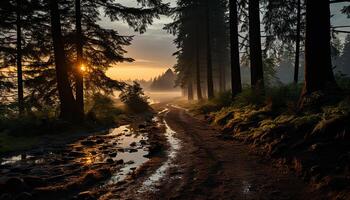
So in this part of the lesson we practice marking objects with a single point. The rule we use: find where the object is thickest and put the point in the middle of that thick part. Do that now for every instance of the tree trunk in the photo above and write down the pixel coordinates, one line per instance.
(210, 82)
(222, 77)
(318, 64)
(79, 73)
(297, 44)
(19, 59)
(236, 84)
(256, 65)
(68, 108)
(190, 91)
(198, 72)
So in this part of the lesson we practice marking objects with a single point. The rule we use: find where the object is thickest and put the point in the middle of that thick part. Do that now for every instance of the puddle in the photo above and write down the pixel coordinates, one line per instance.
(151, 182)
(123, 147)
(15, 159)
(132, 160)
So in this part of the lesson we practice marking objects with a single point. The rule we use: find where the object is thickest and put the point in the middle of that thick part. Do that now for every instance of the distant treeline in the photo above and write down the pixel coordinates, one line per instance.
(165, 81)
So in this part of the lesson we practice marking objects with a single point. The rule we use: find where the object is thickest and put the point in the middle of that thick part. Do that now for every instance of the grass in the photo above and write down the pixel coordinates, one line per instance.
(14, 143)
(308, 141)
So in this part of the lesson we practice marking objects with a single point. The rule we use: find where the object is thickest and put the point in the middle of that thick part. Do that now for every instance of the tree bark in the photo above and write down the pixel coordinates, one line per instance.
(19, 58)
(68, 108)
(79, 73)
(256, 65)
(210, 82)
(297, 44)
(198, 72)
(318, 64)
(222, 76)
(236, 83)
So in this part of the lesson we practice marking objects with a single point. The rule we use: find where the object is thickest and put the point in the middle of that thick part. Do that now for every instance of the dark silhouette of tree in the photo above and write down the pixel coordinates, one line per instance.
(210, 83)
(80, 67)
(198, 67)
(202, 39)
(318, 64)
(255, 52)
(68, 106)
(236, 85)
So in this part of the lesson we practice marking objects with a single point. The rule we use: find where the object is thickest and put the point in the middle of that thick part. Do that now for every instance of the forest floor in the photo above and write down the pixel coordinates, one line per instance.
(173, 155)
(207, 167)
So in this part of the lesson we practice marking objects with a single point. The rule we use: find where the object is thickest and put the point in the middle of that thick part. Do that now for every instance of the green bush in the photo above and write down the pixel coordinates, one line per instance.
(135, 99)
(248, 97)
(221, 100)
(102, 109)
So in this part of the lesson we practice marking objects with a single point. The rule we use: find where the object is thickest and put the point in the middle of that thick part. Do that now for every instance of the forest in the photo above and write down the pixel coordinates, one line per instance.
(263, 110)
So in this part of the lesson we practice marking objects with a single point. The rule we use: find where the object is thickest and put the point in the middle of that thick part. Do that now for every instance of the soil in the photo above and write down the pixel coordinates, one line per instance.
(205, 166)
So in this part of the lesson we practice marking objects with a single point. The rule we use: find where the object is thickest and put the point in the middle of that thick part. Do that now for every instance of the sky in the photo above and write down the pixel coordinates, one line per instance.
(153, 50)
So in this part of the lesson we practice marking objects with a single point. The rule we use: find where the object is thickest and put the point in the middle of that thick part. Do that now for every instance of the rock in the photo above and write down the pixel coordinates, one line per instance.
(87, 195)
(110, 160)
(130, 162)
(132, 150)
(133, 144)
(120, 162)
(24, 196)
(143, 142)
(33, 181)
(100, 141)
(87, 143)
(106, 152)
(143, 130)
(114, 154)
(121, 150)
(142, 126)
(79, 148)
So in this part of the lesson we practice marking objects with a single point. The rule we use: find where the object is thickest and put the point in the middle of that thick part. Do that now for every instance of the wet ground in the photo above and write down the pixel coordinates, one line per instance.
(171, 156)
(62, 172)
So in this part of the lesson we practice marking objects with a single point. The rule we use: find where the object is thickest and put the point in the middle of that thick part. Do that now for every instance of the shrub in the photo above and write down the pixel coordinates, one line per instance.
(223, 99)
(248, 97)
(135, 99)
(102, 109)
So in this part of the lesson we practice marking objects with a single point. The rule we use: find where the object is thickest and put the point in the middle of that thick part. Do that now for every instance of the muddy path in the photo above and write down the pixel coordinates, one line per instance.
(170, 156)
(207, 167)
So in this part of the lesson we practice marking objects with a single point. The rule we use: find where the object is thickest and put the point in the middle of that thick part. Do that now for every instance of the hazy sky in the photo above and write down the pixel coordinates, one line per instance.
(153, 50)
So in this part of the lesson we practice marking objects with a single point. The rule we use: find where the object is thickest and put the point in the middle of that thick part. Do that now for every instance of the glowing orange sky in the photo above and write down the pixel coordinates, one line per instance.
(152, 50)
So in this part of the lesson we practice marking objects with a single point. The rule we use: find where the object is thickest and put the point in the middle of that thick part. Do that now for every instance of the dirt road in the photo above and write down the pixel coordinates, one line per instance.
(207, 167)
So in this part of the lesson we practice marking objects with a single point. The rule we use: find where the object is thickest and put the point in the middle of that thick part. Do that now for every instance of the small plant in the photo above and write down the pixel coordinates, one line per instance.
(135, 99)
(102, 108)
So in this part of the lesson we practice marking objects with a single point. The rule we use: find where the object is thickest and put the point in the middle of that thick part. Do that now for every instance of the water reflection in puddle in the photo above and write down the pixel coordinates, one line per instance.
(15, 159)
(132, 159)
(151, 183)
